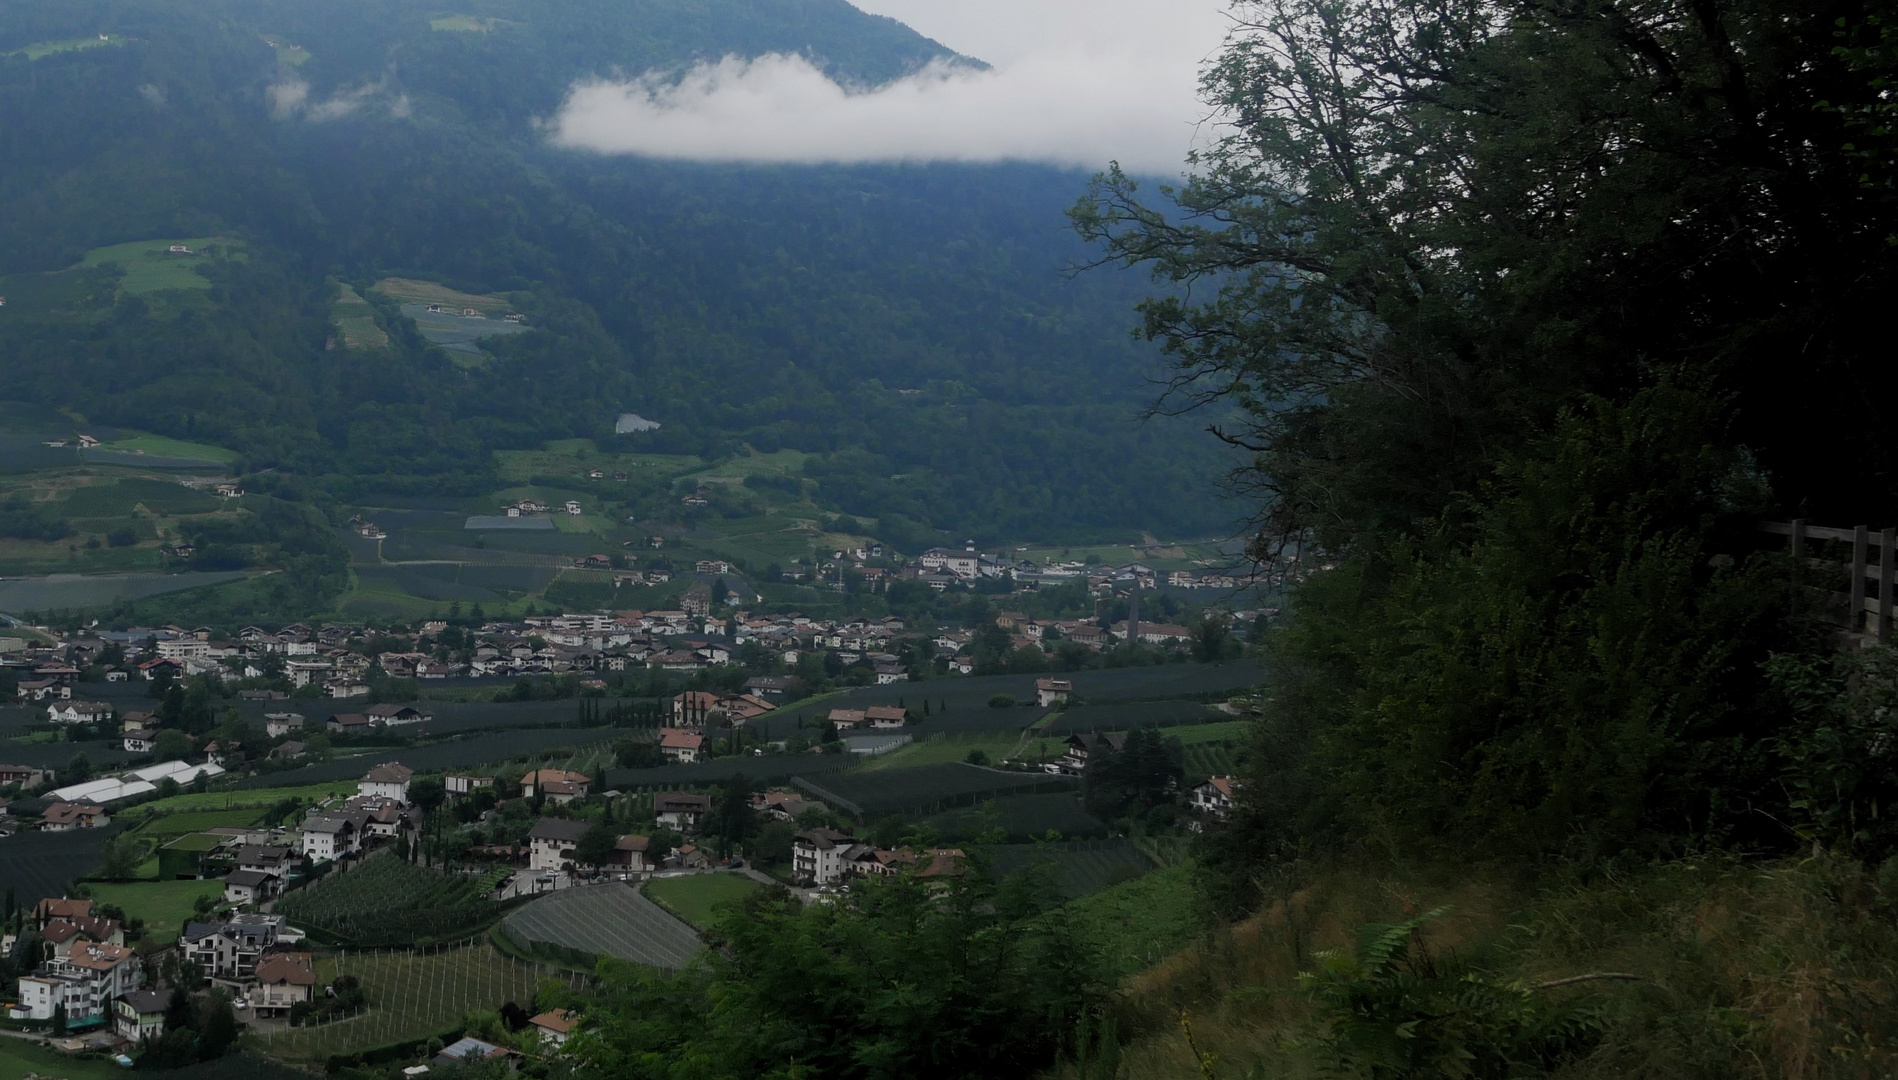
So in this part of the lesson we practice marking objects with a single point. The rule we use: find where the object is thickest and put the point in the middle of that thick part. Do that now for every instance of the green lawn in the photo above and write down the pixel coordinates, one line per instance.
(150, 266)
(164, 905)
(695, 896)
(230, 800)
(160, 446)
(19, 1058)
(199, 820)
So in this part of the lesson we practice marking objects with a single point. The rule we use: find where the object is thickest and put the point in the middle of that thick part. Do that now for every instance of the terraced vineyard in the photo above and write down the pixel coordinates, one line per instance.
(388, 901)
(412, 994)
(612, 919)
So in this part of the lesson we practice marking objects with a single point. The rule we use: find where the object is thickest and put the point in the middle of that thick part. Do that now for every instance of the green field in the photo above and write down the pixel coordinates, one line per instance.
(938, 749)
(19, 1059)
(696, 897)
(160, 446)
(356, 321)
(411, 995)
(384, 900)
(1137, 923)
(259, 798)
(150, 266)
(164, 905)
(198, 821)
(42, 49)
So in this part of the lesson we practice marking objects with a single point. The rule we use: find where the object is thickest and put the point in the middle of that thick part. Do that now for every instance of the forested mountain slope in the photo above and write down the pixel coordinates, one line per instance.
(911, 324)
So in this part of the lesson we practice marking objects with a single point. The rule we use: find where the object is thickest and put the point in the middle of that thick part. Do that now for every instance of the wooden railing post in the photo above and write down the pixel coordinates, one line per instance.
(1887, 542)
(1855, 592)
(1799, 543)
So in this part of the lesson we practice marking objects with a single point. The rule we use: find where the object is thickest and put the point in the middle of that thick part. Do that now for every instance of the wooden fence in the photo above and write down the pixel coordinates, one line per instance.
(1868, 573)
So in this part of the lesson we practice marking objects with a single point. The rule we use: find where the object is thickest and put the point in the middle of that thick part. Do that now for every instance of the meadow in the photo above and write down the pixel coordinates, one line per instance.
(1077, 868)
(1139, 922)
(1022, 817)
(700, 898)
(149, 266)
(164, 905)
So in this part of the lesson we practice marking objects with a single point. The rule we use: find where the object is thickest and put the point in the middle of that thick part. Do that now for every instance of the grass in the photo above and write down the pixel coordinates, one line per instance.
(259, 798)
(1225, 731)
(19, 1059)
(356, 321)
(410, 291)
(1139, 923)
(42, 49)
(411, 995)
(164, 905)
(161, 446)
(696, 897)
(1745, 968)
(198, 821)
(150, 266)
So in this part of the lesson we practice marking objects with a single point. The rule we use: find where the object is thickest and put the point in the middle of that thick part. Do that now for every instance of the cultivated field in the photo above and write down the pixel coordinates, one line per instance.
(927, 789)
(68, 592)
(35, 865)
(386, 901)
(613, 919)
(412, 994)
(460, 753)
(1128, 715)
(1080, 868)
(1023, 817)
(711, 773)
(410, 291)
(356, 322)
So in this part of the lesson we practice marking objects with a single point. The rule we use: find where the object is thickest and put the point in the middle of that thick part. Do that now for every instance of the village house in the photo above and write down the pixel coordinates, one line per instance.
(26, 776)
(284, 979)
(886, 716)
(460, 784)
(554, 1028)
(323, 837)
(680, 747)
(555, 786)
(680, 810)
(229, 951)
(633, 853)
(1082, 747)
(1214, 797)
(389, 780)
(78, 712)
(250, 887)
(822, 856)
(397, 715)
(277, 725)
(347, 724)
(271, 859)
(551, 842)
(67, 816)
(1052, 693)
(139, 1016)
(846, 719)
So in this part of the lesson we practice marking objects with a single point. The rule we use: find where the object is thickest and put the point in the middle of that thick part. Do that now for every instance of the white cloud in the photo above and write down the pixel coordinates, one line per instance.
(287, 98)
(1072, 84)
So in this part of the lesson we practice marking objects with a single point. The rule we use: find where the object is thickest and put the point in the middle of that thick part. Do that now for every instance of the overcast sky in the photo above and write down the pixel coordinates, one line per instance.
(1075, 82)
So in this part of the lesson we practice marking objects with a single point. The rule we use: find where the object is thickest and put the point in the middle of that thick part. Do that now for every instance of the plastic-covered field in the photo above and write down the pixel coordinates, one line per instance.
(615, 920)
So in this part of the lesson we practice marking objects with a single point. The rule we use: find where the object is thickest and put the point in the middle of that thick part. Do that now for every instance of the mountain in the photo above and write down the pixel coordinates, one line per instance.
(911, 328)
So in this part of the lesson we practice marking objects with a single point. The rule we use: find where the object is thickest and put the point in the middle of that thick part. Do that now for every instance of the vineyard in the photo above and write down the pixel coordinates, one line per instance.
(1022, 817)
(927, 788)
(613, 920)
(385, 901)
(412, 994)
(1122, 716)
(1078, 869)
(460, 753)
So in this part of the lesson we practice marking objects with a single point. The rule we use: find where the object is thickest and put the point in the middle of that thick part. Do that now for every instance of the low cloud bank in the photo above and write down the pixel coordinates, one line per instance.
(1075, 105)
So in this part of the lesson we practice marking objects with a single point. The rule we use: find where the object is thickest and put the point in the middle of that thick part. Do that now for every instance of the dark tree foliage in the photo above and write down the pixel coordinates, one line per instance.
(1142, 773)
(977, 979)
(1529, 311)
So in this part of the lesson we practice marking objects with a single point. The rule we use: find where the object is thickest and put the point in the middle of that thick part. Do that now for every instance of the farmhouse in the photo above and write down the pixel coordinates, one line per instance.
(1082, 747)
(328, 836)
(553, 1027)
(823, 856)
(550, 844)
(845, 719)
(1050, 693)
(460, 784)
(24, 775)
(278, 724)
(347, 724)
(272, 859)
(388, 781)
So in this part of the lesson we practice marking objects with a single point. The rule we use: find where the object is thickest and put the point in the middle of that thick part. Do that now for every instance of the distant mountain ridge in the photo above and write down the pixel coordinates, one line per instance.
(350, 142)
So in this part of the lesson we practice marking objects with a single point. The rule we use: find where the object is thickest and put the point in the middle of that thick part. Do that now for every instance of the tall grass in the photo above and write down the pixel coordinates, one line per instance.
(1768, 969)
